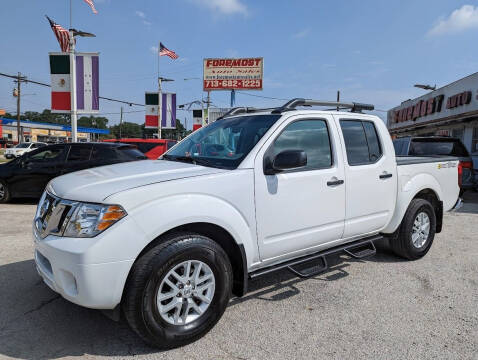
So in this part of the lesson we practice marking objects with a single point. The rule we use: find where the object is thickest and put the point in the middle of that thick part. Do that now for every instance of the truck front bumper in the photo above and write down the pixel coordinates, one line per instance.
(95, 285)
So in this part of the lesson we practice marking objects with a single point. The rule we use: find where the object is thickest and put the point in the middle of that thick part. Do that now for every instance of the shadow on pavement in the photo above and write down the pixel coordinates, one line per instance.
(470, 203)
(24, 201)
(35, 322)
(280, 285)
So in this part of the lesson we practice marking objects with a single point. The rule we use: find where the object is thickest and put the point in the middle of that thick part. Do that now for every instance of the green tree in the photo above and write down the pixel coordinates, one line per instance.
(128, 129)
(98, 122)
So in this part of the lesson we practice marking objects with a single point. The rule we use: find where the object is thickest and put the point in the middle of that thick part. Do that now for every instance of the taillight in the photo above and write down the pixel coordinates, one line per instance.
(463, 165)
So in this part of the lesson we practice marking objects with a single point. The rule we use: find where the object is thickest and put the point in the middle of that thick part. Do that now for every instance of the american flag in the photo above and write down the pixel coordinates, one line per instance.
(62, 35)
(164, 51)
(92, 5)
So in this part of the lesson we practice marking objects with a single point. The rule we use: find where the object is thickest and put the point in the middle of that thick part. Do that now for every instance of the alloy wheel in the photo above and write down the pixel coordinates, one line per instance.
(420, 230)
(185, 292)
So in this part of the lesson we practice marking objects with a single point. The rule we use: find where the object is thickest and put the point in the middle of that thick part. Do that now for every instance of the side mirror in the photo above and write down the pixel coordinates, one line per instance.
(286, 160)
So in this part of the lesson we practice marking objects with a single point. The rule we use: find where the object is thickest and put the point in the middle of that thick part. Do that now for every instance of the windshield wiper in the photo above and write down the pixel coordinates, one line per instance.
(191, 160)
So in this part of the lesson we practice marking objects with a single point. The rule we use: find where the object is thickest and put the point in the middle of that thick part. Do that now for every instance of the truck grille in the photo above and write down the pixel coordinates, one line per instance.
(53, 215)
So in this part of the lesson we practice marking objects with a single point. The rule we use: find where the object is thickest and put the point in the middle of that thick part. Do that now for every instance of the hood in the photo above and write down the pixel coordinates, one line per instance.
(96, 184)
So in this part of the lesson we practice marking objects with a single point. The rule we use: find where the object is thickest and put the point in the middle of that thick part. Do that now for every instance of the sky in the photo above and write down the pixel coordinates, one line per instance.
(373, 51)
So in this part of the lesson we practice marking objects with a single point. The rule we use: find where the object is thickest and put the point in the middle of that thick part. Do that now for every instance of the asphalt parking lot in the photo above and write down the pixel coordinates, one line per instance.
(380, 308)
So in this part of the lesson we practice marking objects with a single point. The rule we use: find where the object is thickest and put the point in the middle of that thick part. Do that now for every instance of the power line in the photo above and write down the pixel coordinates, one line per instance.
(24, 79)
(262, 96)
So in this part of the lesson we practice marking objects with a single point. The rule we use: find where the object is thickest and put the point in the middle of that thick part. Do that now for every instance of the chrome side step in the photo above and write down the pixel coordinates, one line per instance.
(358, 250)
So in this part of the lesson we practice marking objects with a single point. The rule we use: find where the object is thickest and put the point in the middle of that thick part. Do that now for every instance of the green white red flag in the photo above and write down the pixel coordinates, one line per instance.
(87, 82)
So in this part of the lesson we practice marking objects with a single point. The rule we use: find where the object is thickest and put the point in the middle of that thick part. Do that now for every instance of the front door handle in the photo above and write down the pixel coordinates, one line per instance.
(335, 182)
(385, 176)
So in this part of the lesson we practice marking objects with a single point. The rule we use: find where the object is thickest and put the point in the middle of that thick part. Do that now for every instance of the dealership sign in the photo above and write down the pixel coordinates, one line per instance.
(454, 100)
(233, 74)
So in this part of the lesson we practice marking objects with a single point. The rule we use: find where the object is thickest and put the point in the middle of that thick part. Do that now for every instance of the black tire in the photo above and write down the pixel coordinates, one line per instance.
(6, 192)
(139, 300)
(402, 244)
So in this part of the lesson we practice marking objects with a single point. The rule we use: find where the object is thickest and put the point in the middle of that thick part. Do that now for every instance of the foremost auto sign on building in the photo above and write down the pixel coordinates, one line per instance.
(233, 74)
(450, 111)
(449, 104)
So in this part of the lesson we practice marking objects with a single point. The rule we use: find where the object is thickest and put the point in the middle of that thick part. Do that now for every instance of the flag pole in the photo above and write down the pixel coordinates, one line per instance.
(159, 95)
(73, 112)
(71, 17)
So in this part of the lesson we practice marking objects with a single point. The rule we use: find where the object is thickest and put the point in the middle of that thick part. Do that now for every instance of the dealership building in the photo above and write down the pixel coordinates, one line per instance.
(45, 132)
(448, 111)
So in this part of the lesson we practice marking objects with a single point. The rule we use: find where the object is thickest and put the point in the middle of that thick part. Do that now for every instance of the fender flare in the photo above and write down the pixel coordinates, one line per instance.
(406, 193)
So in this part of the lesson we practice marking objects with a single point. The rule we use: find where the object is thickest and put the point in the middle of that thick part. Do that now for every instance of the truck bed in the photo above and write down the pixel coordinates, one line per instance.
(409, 160)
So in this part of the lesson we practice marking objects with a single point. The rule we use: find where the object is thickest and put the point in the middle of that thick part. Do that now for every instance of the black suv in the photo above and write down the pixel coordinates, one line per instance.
(439, 146)
(28, 175)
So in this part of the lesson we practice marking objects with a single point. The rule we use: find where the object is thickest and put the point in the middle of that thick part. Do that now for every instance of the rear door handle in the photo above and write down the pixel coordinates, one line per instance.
(385, 176)
(335, 182)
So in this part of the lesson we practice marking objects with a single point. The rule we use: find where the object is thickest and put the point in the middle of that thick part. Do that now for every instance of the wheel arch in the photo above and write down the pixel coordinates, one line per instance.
(432, 197)
(428, 193)
(234, 250)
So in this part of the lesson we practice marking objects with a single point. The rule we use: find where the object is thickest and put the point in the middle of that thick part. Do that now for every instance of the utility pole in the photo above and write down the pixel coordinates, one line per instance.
(338, 98)
(74, 114)
(121, 122)
(19, 81)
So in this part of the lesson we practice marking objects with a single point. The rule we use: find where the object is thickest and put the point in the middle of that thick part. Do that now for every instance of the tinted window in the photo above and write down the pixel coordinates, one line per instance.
(115, 154)
(129, 153)
(311, 136)
(79, 153)
(171, 144)
(361, 142)
(401, 146)
(50, 154)
(437, 147)
(374, 148)
(103, 153)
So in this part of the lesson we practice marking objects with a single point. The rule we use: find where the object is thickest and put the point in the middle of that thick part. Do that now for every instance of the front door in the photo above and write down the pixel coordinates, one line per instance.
(299, 210)
(36, 169)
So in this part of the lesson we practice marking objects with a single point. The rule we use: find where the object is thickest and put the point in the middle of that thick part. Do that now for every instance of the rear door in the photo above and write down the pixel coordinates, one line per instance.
(370, 169)
(301, 209)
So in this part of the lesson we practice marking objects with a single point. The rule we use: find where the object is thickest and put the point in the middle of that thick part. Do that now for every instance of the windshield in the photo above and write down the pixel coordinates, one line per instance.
(22, 146)
(224, 143)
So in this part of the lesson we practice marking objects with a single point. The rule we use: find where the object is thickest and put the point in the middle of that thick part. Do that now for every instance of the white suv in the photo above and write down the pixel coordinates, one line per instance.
(22, 148)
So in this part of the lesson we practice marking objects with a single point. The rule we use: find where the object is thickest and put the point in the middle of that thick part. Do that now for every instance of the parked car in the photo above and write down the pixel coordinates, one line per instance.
(28, 175)
(22, 148)
(167, 241)
(152, 148)
(439, 146)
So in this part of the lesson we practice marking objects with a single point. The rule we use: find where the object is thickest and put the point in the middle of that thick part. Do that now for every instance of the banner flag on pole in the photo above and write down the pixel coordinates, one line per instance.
(197, 119)
(151, 100)
(168, 110)
(87, 82)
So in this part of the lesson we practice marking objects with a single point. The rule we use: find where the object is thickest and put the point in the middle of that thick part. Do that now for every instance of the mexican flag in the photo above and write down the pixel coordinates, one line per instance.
(87, 82)
(168, 110)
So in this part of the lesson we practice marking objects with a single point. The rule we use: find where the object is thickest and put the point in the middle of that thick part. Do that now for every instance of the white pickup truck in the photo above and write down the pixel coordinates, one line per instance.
(166, 242)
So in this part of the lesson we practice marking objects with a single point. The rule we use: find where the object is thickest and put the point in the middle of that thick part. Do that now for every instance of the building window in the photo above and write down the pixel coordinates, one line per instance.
(474, 142)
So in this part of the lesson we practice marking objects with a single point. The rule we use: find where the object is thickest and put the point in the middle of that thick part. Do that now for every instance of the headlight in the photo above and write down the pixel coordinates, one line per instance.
(18, 151)
(89, 220)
